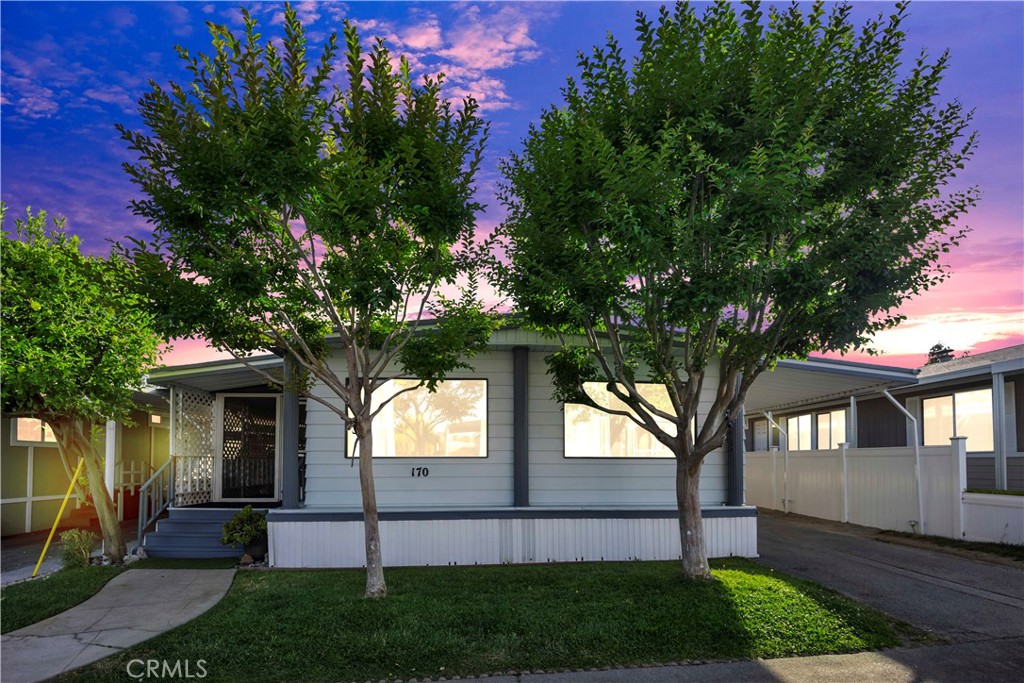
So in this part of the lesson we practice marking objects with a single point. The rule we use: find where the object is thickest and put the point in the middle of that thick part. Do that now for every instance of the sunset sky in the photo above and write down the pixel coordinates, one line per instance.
(70, 71)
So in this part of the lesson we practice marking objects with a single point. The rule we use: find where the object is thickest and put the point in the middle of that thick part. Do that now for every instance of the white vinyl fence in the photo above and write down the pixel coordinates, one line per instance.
(877, 487)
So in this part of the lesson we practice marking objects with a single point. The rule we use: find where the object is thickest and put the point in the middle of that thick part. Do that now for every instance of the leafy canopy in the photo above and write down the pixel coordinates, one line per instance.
(77, 338)
(291, 202)
(747, 188)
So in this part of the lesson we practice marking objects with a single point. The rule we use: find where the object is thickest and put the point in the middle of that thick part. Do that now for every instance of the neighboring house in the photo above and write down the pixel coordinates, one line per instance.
(488, 470)
(33, 480)
(978, 397)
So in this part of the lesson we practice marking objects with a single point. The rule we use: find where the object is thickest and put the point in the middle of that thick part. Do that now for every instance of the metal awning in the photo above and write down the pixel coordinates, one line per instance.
(218, 375)
(796, 383)
(792, 384)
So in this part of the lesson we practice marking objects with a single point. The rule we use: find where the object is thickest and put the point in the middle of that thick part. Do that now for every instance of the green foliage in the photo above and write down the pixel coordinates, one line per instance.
(244, 527)
(747, 188)
(939, 353)
(76, 546)
(288, 210)
(77, 337)
(571, 367)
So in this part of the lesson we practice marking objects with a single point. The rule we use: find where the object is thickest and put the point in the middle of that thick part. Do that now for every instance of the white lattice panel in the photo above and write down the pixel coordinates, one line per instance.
(193, 446)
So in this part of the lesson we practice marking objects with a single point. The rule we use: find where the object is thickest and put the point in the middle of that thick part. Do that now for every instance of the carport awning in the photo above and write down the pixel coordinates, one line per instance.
(796, 383)
(219, 375)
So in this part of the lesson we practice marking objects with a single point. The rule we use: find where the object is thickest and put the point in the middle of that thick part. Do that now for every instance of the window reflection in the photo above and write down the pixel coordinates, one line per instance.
(592, 433)
(450, 422)
(965, 413)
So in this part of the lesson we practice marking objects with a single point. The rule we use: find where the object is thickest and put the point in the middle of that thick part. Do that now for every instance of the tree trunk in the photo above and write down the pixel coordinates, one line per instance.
(375, 585)
(691, 526)
(75, 442)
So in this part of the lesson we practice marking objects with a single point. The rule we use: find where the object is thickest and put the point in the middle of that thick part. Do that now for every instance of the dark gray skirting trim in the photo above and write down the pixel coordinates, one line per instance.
(511, 513)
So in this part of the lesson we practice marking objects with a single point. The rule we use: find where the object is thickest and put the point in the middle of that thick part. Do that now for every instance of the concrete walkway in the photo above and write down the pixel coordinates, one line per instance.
(135, 606)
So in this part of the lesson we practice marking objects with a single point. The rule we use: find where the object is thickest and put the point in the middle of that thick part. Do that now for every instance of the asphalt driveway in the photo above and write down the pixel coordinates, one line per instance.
(961, 599)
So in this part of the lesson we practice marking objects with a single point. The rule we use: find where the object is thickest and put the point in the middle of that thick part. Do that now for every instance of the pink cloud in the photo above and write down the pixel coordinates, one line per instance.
(491, 41)
(425, 36)
(489, 93)
(29, 100)
(112, 94)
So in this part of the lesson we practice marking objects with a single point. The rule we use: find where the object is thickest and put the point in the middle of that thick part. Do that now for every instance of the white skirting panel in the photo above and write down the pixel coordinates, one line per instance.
(502, 541)
(993, 518)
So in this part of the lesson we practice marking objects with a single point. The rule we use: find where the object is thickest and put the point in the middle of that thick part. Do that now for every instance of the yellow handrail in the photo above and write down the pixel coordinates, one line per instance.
(60, 514)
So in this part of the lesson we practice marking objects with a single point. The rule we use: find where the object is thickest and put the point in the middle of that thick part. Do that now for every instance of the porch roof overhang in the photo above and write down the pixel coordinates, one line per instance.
(218, 375)
(794, 383)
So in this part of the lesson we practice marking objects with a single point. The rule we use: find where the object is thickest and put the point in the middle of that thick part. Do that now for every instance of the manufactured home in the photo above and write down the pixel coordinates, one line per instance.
(489, 469)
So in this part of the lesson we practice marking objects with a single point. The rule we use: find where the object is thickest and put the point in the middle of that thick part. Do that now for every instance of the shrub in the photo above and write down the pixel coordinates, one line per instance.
(76, 547)
(245, 527)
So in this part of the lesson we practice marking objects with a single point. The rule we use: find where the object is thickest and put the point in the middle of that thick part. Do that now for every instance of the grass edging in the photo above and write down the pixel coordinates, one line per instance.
(28, 602)
(464, 621)
(1002, 550)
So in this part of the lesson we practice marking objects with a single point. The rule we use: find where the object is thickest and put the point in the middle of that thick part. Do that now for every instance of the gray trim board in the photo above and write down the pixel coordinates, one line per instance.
(852, 369)
(735, 447)
(520, 427)
(279, 515)
(289, 440)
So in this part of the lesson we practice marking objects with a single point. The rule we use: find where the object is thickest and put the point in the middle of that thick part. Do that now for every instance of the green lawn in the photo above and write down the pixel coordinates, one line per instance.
(27, 602)
(449, 621)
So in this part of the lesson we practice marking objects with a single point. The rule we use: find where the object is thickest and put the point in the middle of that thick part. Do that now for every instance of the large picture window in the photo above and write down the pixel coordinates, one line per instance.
(449, 423)
(965, 413)
(592, 433)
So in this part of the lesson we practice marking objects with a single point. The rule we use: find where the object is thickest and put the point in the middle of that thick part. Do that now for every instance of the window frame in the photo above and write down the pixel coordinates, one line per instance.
(619, 458)
(816, 441)
(15, 441)
(811, 429)
(438, 458)
(952, 394)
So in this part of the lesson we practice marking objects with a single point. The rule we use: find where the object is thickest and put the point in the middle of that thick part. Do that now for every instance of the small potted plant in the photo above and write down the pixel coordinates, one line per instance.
(247, 528)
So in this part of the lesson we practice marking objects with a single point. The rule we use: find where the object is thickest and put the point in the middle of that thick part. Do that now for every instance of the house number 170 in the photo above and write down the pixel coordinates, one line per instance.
(421, 471)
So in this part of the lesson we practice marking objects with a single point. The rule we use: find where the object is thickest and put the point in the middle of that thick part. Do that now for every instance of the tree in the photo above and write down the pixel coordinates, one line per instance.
(78, 340)
(939, 353)
(294, 215)
(743, 191)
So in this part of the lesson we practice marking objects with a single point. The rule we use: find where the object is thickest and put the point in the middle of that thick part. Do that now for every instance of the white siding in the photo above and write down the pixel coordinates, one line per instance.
(333, 480)
(606, 482)
(502, 541)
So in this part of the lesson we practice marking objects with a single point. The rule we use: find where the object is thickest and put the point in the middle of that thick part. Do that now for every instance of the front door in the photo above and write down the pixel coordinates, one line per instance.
(247, 466)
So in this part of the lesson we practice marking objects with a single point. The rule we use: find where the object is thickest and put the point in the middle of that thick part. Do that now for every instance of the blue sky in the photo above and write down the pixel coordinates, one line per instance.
(70, 71)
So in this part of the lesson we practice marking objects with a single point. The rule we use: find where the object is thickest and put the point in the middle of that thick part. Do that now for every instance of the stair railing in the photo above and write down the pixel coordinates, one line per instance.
(155, 496)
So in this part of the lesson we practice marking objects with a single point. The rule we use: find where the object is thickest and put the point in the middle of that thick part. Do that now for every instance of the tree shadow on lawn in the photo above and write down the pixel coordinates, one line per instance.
(450, 621)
